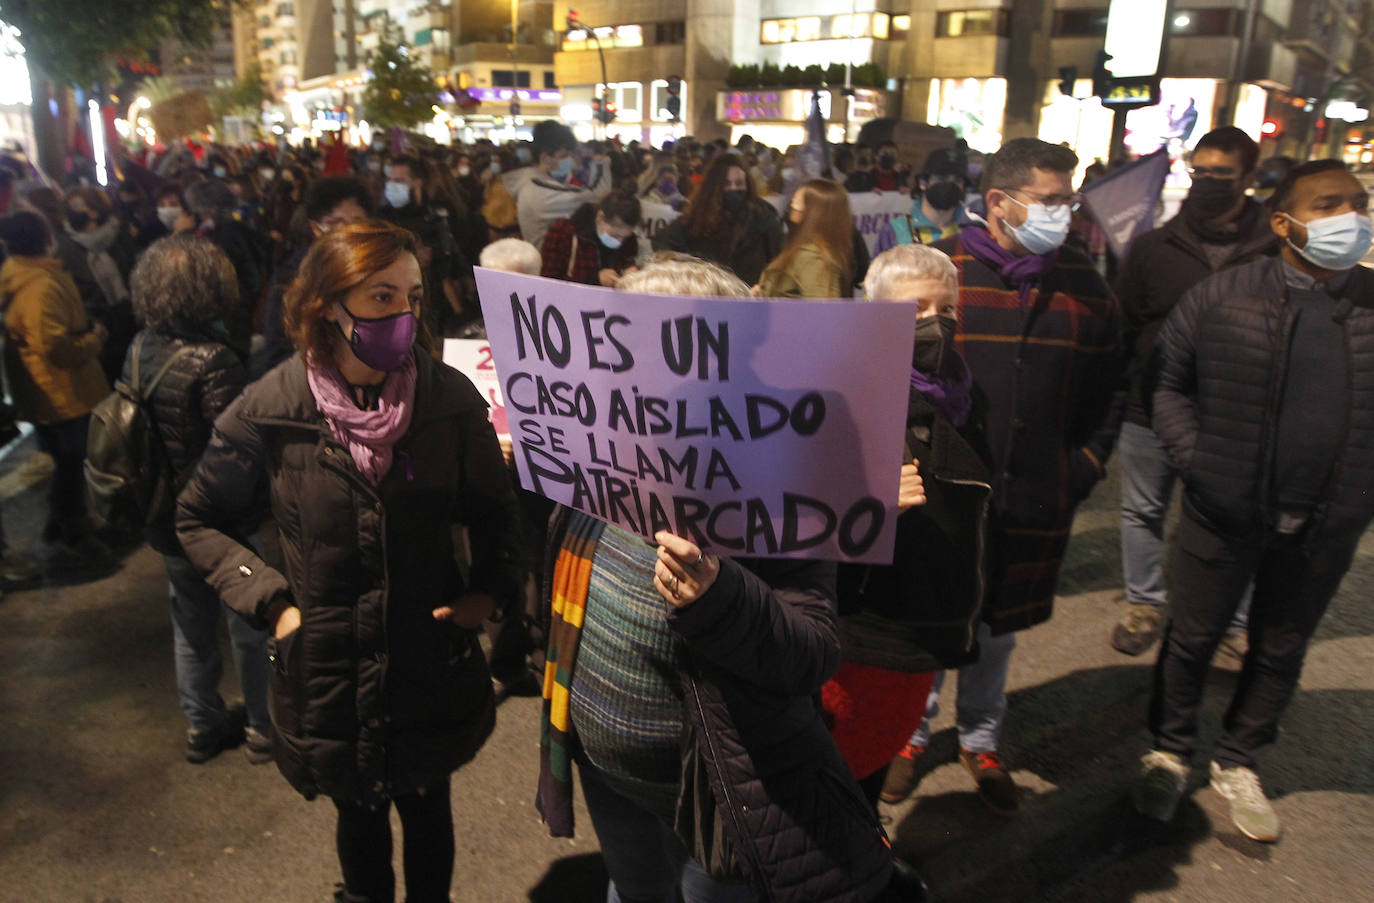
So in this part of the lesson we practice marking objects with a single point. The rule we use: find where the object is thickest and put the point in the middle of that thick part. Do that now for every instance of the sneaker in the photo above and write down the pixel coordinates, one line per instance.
(1251, 810)
(202, 746)
(1233, 648)
(903, 774)
(1163, 778)
(257, 746)
(1139, 629)
(995, 786)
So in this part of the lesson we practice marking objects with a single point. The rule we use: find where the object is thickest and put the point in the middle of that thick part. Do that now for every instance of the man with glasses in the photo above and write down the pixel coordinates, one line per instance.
(1264, 398)
(1041, 333)
(1217, 228)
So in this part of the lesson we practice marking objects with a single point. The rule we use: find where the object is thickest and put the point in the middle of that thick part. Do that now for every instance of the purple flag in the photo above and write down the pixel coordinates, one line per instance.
(815, 153)
(724, 421)
(1123, 201)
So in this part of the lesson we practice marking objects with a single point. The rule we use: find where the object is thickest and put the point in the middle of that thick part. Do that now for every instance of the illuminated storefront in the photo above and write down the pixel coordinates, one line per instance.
(16, 123)
(974, 108)
(777, 117)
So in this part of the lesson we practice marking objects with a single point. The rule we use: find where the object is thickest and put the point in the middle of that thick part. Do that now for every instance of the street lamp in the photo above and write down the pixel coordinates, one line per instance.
(575, 24)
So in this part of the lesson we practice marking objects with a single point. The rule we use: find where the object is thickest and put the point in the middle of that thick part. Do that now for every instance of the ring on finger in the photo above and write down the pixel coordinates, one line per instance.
(701, 557)
(673, 587)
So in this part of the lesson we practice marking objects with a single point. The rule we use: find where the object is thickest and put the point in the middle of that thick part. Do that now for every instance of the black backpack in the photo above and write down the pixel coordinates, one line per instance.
(128, 478)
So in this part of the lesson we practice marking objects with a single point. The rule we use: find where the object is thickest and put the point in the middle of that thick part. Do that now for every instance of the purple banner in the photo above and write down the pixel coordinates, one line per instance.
(753, 428)
(1123, 201)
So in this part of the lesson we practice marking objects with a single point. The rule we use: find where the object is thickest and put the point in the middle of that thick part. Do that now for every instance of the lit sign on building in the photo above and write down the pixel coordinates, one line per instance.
(749, 106)
(1135, 36)
(524, 95)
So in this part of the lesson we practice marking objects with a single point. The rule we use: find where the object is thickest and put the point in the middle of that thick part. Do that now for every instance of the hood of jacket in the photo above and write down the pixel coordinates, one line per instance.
(19, 273)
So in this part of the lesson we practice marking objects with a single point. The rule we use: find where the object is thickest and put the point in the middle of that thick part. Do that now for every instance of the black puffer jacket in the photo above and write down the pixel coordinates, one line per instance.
(371, 697)
(1163, 264)
(921, 612)
(744, 245)
(195, 391)
(1222, 361)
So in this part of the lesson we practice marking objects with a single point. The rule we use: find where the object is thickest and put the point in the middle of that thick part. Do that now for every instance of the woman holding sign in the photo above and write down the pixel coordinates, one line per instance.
(818, 261)
(683, 686)
(370, 450)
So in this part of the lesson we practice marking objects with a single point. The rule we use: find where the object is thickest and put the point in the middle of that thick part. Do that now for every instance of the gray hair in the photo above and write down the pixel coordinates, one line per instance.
(512, 255)
(908, 262)
(183, 281)
(685, 277)
(210, 197)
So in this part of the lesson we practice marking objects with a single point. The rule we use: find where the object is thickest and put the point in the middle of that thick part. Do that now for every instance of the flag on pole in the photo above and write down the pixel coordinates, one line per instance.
(814, 159)
(1123, 202)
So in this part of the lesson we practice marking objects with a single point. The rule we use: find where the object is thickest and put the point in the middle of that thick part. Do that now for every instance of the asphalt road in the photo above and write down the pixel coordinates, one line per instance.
(97, 805)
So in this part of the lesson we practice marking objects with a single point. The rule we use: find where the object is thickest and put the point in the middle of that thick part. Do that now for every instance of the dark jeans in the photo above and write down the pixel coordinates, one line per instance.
(363, 837)
(1208, 575)
(65, 441)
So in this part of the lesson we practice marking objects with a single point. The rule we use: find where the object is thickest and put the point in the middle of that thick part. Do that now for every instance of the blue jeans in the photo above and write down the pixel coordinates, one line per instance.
(196, 612)
(1147, 482)
(647, 862)
(982, 695)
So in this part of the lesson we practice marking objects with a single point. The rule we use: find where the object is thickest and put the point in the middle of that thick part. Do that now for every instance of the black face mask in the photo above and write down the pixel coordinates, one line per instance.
(934, 342)
(1211, 198)
(733, 199)
(78, 219)
(944, 195)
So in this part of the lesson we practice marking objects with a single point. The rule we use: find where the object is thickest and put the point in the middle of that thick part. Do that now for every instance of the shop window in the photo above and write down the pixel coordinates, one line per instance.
(1205, 23)
(507, 78)
(670, 32)
(1080, 23)
(973, 22)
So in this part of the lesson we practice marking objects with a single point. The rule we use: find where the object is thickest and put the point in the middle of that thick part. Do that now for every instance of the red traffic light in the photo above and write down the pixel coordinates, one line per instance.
(1270, 128)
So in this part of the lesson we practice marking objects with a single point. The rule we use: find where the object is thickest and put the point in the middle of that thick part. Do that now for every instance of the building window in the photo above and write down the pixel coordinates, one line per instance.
(1080, 23)
(423, 37)
(785, 31)
(286, 9)
(878, 25)
(670, 32)
(609, 37)
(1205, 23)
(549, 81)
(973, 23)
(901, 25)
(507, 78)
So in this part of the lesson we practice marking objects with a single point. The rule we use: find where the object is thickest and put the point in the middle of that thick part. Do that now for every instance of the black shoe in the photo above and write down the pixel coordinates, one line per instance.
(202, 746)
(906, 885)
(257, 746)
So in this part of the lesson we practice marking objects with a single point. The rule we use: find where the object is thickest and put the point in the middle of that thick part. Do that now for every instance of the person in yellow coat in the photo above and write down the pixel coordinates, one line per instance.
(52, 360)
(818, 260)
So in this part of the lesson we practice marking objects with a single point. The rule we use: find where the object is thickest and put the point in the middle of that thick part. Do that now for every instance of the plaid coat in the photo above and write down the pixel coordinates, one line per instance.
(591, 255)
(1050, 379)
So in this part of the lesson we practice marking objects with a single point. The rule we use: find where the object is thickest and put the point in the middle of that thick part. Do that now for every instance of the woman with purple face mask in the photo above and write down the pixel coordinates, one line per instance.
(370, 450)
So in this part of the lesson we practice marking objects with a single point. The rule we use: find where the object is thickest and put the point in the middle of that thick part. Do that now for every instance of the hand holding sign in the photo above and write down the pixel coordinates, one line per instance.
(912, 489)
(684, 572)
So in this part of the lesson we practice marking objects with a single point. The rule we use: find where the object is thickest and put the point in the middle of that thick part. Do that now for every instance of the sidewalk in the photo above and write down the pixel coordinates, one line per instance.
(98, 806)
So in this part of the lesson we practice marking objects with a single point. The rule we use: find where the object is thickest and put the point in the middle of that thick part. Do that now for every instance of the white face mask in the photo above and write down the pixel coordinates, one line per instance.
(1045, 228)
(168, 216)
(397, 194)
(464, 171)
(268, 174)
(609, 240)
(1336, 242)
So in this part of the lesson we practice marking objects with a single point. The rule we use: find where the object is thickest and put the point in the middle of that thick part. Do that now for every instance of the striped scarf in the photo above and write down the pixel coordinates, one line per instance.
(572, 574)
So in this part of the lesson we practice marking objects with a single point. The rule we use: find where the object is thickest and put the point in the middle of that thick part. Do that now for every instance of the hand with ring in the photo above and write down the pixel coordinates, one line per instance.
(684, 572)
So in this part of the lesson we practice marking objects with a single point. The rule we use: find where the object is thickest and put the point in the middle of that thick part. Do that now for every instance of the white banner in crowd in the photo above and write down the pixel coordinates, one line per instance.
(871, 210)
(472, 358)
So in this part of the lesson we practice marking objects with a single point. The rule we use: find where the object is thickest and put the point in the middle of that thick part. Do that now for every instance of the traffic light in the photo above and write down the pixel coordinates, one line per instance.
(608, 112)
(1102, 76)
(573, 22)
(1271, 129)
(596, 110)
(1067, 76)
(674, 102)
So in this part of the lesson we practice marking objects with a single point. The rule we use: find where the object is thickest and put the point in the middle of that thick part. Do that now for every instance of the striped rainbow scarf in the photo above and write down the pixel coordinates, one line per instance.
(572, 574)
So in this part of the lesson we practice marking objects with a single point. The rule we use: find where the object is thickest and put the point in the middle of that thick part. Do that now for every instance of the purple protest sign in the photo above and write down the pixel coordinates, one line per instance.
(1123, 201)
(753, 428)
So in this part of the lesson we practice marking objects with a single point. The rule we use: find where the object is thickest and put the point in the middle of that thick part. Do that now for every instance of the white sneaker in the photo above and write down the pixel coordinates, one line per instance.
(1251, 810)
(1163, 778)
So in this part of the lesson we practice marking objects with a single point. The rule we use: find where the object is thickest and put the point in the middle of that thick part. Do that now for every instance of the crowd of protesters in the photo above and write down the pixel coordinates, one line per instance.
(733, 723)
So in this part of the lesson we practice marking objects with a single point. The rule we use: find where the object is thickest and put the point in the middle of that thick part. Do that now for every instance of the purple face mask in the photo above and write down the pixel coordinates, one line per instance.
(381, 342)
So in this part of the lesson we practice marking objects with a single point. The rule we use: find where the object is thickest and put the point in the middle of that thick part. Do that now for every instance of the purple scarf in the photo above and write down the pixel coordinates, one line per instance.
(369, 436)
(1020, 272)
(951, 390)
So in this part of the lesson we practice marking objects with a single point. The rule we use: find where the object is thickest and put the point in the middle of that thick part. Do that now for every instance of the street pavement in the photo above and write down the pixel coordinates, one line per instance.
(98, 806)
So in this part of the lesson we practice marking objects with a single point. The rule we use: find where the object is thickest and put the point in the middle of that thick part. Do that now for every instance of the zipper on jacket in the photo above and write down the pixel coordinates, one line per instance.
(1333, 478)
(1275, 400)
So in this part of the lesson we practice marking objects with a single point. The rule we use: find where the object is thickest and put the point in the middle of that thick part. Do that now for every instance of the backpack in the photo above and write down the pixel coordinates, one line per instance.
(128, 478)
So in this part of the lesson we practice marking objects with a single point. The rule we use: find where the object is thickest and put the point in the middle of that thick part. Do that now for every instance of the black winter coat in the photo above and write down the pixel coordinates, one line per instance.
(1222, 361)
(921, 612)
(371, 697)
(1163, 264)
(744, 246)
(195, 391)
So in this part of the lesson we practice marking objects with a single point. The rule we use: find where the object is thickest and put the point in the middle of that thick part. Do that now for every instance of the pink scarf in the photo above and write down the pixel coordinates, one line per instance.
(369, 436)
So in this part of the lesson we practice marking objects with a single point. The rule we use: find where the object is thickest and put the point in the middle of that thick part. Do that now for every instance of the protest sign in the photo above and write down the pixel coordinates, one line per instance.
(754, 428)
(472, 358)
(653, 219)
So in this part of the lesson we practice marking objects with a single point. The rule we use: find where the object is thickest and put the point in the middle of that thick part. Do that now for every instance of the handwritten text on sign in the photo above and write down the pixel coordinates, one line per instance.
(759, 428)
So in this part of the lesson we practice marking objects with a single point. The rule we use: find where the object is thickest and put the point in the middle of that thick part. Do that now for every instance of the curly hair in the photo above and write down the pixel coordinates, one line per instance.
(181, 282)
(705, 216)
(337, 263)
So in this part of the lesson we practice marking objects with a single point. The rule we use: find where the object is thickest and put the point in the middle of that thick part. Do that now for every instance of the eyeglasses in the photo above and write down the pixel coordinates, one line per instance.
(1051, 201)
(1213, 172)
